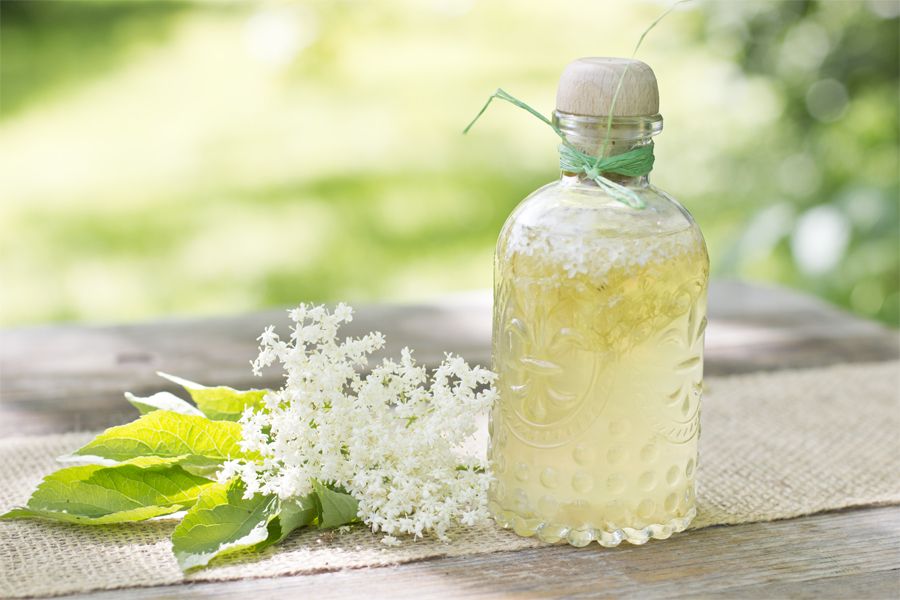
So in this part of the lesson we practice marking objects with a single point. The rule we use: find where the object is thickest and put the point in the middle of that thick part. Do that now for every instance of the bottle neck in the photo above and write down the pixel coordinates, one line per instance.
(598, 137)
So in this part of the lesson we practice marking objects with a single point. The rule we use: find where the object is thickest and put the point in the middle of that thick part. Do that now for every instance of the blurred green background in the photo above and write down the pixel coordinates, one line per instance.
(203, 158)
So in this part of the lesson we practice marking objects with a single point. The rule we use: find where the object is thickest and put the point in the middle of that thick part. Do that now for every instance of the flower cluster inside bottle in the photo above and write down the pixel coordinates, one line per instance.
(599, 350)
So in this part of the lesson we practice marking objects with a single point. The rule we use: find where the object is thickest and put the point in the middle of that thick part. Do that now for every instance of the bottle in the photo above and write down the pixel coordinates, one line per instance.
(599, 318)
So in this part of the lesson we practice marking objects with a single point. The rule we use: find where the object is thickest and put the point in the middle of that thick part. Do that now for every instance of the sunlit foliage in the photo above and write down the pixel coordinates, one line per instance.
(160, 158)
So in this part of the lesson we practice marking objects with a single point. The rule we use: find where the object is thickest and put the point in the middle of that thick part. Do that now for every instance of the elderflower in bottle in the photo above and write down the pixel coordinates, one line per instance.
(599, 316)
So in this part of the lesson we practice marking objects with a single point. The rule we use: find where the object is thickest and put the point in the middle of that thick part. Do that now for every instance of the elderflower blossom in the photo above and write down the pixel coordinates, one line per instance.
(391, 439)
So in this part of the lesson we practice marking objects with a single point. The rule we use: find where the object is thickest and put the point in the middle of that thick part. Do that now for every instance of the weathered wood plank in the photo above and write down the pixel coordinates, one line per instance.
(822, 556)
(62, 378)
(72, 377)
(862, 586)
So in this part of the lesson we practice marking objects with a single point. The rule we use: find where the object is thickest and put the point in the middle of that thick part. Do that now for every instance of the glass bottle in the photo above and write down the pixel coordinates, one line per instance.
(599, 319)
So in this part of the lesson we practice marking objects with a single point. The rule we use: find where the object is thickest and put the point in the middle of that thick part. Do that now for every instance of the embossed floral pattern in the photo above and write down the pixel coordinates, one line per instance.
(548, 371)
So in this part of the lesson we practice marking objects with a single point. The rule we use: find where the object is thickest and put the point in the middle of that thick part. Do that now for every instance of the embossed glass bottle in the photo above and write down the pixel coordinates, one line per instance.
(599, 317)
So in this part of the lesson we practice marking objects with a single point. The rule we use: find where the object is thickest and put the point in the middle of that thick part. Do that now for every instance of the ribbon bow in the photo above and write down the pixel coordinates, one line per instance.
(634, 163)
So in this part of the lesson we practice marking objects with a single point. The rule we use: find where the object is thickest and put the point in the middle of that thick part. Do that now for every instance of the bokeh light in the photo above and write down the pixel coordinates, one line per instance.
(209, 158)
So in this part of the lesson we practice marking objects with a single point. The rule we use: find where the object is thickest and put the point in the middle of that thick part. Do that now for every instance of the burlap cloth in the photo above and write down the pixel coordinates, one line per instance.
(774, 446)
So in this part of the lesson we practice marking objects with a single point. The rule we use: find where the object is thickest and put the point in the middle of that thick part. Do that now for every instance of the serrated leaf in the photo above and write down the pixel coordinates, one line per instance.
(95, 494)
(163, 433)
(334, 508)
(221, 522)
(220, 403)
(292, 514)
(162, 401)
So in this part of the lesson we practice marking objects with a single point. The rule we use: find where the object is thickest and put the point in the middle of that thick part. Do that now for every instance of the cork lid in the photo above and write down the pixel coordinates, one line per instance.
(587, 87)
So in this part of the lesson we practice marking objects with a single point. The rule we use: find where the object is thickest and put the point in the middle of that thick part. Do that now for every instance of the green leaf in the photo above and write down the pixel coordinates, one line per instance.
(335, 508)
(164, 433)
(125, 516)
(140, 461)
(162, 401)
(221, 522)
(291, 515)
(220, 403)
(96, 494)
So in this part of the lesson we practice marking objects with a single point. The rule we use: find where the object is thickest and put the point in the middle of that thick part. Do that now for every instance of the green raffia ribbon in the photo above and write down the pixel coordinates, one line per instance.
(634, 163)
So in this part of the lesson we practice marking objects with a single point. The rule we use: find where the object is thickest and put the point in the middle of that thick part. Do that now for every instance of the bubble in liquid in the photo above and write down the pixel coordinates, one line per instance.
(582, 482)
(616, 455)
(522, 472)
(673, 475)
(549, 478)
(646, 508)
(649, 453)
(583, 454)
(548, 506)
(647, 481)
(671, 502)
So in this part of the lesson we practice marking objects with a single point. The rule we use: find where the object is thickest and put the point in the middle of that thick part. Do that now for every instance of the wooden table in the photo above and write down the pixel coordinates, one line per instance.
(65, 378)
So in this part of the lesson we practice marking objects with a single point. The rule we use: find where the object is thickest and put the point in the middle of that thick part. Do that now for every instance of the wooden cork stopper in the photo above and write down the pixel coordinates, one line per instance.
(587, 87)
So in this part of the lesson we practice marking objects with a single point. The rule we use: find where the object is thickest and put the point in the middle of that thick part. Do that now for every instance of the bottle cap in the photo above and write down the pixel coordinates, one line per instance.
(587, 87)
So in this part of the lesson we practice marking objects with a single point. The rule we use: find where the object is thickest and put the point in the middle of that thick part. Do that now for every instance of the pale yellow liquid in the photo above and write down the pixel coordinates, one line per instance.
(600, 375)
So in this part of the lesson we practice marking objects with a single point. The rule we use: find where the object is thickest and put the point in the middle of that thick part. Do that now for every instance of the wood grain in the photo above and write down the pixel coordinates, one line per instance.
(594, 86)
(822, 556)
(72, 377)
(65, 378)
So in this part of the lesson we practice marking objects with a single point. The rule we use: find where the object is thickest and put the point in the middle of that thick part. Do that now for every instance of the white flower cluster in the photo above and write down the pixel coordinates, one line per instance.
(392, 439)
